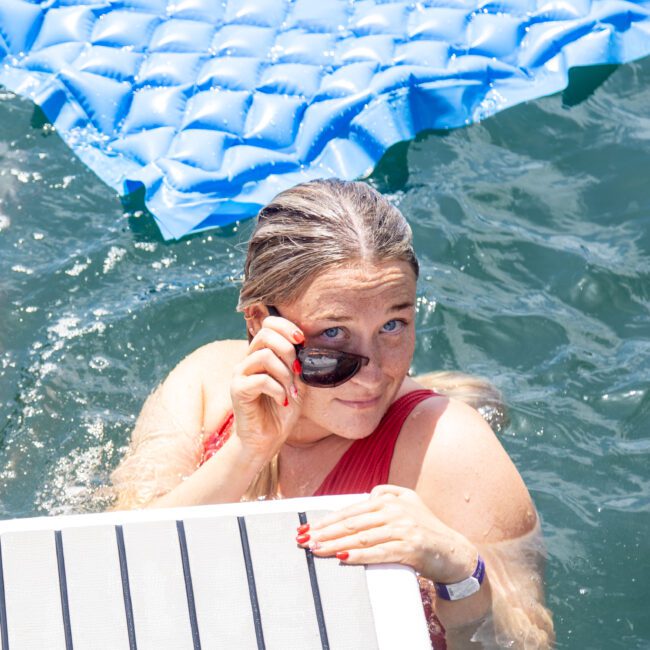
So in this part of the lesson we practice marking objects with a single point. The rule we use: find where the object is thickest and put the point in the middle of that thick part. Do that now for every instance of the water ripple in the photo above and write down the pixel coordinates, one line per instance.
(533, 229)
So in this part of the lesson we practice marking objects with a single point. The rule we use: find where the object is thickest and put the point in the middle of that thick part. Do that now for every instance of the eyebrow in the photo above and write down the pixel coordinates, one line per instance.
(342, 319)
(403, 305)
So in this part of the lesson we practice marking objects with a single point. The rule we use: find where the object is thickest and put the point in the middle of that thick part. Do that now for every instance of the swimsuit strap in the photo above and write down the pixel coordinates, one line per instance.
(367, 461)
(216, 440)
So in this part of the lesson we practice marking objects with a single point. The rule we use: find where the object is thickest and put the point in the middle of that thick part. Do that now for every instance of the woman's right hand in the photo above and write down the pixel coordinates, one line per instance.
(265, 399)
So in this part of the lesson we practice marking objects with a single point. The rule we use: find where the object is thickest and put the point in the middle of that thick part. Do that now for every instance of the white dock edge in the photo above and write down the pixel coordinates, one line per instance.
(393, 589)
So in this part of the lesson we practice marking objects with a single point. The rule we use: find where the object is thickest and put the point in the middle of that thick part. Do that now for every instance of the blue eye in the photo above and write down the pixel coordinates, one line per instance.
(392, 325)
(331, 332)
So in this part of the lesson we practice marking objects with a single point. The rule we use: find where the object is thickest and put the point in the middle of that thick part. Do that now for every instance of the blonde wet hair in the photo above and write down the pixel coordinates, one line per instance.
(317, 226)
(302, 232)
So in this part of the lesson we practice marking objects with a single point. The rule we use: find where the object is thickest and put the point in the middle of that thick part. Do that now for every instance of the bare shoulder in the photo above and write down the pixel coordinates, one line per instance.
(213, 361)
(200, 383)
(208, 365)
(463, 472)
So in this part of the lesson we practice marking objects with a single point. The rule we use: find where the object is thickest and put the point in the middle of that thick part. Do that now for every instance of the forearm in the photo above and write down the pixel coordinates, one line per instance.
(465, 613)
(508, 609)
(224, 478)
(518, 615)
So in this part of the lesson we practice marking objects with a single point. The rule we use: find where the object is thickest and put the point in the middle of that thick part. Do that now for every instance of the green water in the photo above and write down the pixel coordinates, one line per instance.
(533, 229)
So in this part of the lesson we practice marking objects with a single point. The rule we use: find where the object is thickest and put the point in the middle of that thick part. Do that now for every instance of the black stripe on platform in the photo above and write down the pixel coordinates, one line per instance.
(126, 588)
(252, 590)
(4, 634)
(63, 587)
(318, 603)
(189, 589)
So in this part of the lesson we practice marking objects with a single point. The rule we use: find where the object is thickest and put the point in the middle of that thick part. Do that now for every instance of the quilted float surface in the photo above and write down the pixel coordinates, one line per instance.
(216, 106)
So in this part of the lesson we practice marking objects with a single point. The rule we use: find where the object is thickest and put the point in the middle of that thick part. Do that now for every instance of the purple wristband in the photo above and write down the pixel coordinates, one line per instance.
(464, 588)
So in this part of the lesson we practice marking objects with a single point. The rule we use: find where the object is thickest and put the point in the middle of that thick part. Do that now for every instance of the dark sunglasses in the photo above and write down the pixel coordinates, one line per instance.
(323, 367)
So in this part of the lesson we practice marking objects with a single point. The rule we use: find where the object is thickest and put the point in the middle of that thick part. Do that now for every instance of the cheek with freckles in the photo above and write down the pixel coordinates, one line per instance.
(398, 362)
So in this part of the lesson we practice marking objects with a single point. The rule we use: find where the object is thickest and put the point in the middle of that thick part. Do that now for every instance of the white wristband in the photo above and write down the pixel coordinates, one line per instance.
(464, 588)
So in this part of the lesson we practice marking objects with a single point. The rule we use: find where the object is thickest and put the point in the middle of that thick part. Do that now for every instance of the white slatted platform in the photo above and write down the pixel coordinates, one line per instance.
(227, 577)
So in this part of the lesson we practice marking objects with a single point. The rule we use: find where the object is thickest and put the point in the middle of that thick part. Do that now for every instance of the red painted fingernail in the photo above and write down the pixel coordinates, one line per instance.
(286, 401)
(303, 529)
(298, 336)
(342, 555)
(302, 539)
(297, 367)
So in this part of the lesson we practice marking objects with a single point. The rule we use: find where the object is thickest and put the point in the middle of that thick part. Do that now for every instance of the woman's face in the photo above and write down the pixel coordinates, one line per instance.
(367, 309)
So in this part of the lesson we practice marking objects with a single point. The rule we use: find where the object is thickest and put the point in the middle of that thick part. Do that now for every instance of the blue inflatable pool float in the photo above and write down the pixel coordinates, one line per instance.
(215, 106)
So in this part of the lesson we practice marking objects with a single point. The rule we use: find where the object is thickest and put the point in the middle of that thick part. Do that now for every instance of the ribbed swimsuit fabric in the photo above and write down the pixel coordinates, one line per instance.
(365, 464)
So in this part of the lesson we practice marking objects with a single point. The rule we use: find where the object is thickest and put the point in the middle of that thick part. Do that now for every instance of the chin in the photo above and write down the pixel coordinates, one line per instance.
(348, 418)
(357, 423)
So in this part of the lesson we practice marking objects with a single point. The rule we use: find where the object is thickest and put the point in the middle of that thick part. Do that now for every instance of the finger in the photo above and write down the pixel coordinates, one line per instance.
(282, 347)
(376, 501)
(265, 361)
(391, 551)
(285, 327)
(388, 490)
(348, 526)
(251, 388)
(355, 509)
(362, 539)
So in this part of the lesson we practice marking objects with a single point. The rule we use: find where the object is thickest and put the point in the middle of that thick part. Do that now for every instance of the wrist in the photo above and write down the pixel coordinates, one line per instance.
(463, 588)
(456, 564)
(250, 457)
(255, 444)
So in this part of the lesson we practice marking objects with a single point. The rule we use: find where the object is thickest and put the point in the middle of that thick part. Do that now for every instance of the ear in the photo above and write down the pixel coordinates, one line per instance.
(254, 315)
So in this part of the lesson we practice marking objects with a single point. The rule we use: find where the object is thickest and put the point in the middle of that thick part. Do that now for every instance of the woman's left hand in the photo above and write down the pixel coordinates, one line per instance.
(393, 525)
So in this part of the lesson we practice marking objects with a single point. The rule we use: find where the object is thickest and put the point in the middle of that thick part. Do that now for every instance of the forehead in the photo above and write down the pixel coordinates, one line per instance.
(359, 286)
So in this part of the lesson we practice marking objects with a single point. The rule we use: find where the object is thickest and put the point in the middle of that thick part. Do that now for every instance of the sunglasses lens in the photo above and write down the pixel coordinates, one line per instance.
(327, 367)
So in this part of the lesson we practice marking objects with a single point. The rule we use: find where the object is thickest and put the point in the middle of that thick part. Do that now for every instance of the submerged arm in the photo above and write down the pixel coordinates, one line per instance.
(514, 613)
(471, 484)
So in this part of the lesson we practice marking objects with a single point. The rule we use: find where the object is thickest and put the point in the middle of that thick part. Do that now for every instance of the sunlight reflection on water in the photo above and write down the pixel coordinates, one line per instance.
(533, 229)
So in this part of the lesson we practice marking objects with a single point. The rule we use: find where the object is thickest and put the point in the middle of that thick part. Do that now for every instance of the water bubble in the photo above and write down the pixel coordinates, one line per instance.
(5, 222)
(114, 255)
(21, 176)
(150, 247)
(99, 363)
(19, 268)
(78, 268)
(46, 369)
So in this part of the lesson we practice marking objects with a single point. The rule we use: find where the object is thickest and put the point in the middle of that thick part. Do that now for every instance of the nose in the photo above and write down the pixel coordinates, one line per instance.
(370, 375)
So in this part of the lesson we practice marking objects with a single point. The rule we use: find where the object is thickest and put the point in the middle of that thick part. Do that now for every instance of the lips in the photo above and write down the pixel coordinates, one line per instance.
(361, 404)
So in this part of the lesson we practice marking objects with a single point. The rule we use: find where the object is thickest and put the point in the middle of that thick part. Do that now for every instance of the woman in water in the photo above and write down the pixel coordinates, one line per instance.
(319, 401)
